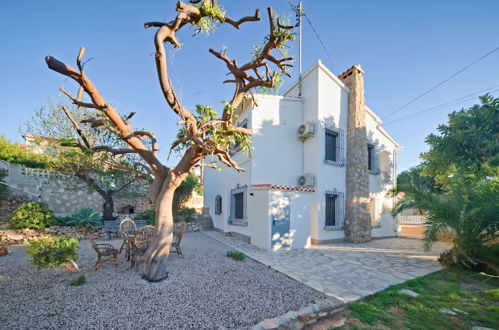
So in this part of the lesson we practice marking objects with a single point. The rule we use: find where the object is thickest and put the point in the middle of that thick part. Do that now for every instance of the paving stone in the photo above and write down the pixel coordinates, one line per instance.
(347, 271)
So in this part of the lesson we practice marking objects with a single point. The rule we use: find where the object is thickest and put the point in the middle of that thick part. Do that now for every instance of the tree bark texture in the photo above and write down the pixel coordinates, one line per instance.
(108, 206)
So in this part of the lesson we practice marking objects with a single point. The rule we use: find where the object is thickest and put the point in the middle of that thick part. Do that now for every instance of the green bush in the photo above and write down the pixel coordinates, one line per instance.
(52, 251)
(184, 192)
(236, 255)
(187, 213)
(149, 215)
(85, 217)
(63, 221)
(32, 215)
(80, 280)
(14, 153)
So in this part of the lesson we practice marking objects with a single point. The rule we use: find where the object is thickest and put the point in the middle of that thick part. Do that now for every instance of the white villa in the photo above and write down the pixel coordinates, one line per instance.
(319, 171)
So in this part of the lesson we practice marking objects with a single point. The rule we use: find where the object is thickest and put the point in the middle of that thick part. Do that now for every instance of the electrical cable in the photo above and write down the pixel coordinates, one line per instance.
(442, 82)
(443, 105)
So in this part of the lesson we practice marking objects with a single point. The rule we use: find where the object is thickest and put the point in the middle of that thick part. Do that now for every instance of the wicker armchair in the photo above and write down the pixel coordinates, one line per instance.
(105, 252)
(127, 227)
(140, 243)
(178, 232)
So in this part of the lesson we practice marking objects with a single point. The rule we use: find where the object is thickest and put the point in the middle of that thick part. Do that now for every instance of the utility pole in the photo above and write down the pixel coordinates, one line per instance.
(300, 13)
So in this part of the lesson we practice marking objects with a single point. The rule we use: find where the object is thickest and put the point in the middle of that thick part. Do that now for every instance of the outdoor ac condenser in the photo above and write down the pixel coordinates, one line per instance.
(306, 130)
(306, 180)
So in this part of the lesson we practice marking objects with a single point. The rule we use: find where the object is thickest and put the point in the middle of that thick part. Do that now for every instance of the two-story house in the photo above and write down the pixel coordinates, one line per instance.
(319, 171)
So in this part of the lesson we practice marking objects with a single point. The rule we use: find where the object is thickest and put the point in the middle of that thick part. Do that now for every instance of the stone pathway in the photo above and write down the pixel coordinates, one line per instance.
(347, 271)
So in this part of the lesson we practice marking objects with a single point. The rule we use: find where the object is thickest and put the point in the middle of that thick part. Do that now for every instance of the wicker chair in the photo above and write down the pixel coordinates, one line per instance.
(178, 232)
(140, 243)
(127, 227)
(105, 252)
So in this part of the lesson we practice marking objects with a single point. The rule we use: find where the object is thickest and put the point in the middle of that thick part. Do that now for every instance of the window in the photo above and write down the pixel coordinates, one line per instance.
(238, 207)
(331, 209)
(334, 147)
(218, 204)
(236, 147)
(331, 143)
(370, 151)
(334, 210)
(372, 159)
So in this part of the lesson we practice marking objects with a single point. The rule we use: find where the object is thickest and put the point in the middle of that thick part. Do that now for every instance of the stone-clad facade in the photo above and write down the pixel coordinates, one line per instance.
(358, 214)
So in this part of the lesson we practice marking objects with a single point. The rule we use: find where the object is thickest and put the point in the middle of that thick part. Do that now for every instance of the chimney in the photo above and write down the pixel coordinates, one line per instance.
(357, 215)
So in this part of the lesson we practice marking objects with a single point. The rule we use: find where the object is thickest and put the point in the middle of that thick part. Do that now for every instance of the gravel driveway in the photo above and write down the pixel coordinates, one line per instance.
(205, 290)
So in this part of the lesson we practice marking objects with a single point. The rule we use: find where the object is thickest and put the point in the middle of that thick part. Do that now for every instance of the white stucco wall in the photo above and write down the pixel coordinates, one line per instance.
(277, 151)
(384, 223)
(279, 157)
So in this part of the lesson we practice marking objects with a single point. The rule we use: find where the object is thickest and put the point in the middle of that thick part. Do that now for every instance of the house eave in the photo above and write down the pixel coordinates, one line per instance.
(328, 72)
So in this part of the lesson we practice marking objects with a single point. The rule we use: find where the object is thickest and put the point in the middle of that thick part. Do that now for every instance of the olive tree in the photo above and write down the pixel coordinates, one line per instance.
(55, 128)
(204, 132)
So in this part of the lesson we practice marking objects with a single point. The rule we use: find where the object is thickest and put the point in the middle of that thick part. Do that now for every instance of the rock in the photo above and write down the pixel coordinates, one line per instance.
(268, 324)
(339, 323)
(481, 328)
(3, 250)
(408, 292)
(446, 311)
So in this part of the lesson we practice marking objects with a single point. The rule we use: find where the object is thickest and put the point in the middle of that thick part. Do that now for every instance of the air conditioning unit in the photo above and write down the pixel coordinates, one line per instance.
(306, 130)
(306, 180)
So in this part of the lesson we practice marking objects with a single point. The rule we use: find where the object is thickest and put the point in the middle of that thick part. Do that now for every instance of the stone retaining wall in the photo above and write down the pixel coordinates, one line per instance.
(22, 236)
(306, 316)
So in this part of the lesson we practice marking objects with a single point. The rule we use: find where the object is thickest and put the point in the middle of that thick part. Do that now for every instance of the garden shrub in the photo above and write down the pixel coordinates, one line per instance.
(85, 217)
(32, 215)
(52, 251)
(63, 221)
(80, 280)
(149, 215)
(236, 255)
(187, 213)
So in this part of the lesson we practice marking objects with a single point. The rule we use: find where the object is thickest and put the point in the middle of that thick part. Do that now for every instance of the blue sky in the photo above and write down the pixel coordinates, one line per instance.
(404, 48)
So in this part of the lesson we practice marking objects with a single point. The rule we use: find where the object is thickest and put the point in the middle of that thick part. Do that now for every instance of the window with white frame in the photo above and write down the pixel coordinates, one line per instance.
(218, 204)
(238, 202)
(334, 154)
(334, 210)
(372, 159)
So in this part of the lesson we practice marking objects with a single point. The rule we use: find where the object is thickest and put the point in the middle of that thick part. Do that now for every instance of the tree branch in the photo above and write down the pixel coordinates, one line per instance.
(77, 127)
(123, 128)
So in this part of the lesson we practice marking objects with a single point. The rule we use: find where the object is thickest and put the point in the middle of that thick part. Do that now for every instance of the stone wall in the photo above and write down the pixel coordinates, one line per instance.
(56, 193)
(357, 215)
(306, 316)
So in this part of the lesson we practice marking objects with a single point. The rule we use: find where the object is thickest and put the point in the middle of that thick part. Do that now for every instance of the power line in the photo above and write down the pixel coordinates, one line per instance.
(322, 43)
(442, 82)
(302, 13)
(443, 105)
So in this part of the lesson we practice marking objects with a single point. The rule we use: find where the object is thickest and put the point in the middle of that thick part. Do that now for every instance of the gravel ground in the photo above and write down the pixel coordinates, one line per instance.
(205, 290)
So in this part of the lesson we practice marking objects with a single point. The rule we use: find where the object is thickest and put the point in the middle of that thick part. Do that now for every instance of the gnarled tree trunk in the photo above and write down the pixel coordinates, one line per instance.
(159, 250)
(108, 206)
